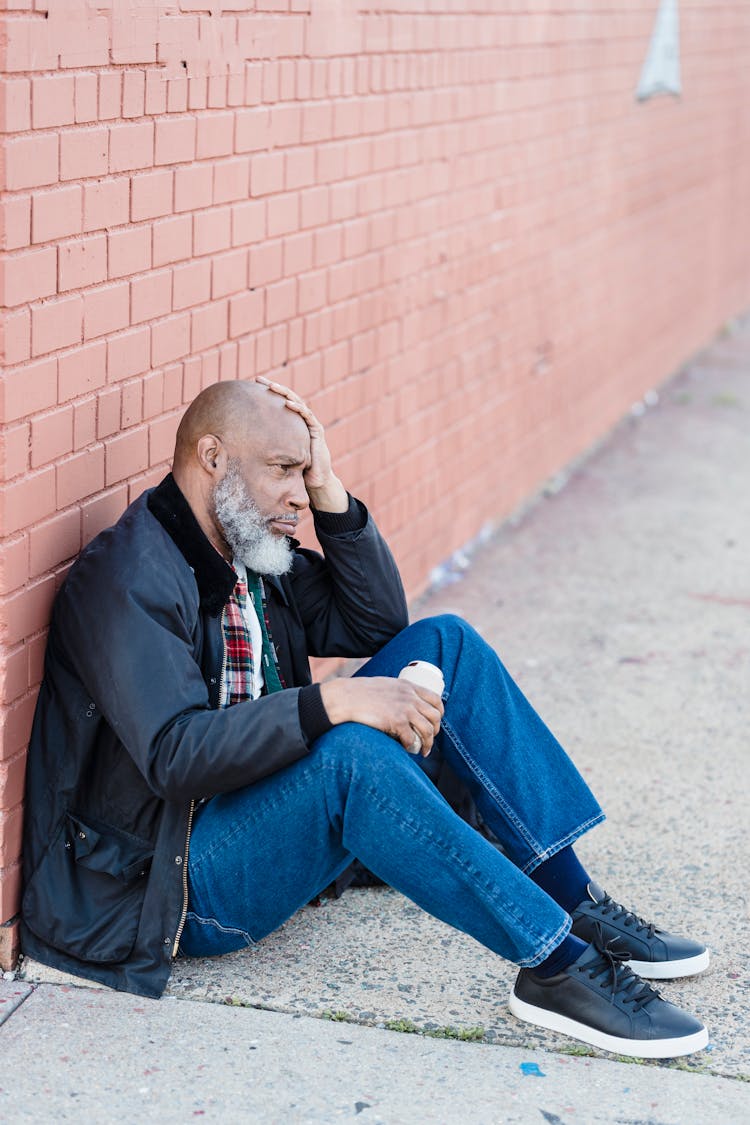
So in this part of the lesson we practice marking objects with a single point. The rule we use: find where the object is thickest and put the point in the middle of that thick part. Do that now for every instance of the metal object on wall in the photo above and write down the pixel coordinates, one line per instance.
(661, 70)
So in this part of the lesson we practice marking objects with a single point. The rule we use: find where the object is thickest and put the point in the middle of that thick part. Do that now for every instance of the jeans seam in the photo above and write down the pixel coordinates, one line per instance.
(487, 785)
(575, 833)
(551, 945)
(217, 925)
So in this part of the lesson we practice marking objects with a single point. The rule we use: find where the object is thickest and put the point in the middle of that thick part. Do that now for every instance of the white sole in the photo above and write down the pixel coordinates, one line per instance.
(671, 970)
(634, 1048)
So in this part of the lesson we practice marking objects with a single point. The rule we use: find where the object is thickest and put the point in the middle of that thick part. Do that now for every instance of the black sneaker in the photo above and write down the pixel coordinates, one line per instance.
(601, 1001)
(651, 952)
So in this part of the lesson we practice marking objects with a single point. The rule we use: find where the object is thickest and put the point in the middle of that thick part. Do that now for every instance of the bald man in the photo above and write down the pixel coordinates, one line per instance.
(189, 787)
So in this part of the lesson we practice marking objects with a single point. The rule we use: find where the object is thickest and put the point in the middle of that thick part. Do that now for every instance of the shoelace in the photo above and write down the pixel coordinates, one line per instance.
(611, 972)
(618, 912)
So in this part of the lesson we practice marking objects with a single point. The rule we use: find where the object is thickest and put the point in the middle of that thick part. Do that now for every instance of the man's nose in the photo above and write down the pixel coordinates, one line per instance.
(297, 497)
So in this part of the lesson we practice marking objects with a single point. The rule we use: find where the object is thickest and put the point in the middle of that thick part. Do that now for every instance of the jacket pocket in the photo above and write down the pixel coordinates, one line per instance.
(85, 898)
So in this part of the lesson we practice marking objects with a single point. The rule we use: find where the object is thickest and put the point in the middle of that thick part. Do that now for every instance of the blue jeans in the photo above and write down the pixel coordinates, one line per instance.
(258, 854)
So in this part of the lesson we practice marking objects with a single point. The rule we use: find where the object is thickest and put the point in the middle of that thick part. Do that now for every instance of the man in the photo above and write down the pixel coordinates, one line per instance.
(189, 788)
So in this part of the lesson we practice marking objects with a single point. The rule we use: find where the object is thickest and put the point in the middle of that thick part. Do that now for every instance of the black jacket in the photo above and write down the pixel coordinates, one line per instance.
(128, 733)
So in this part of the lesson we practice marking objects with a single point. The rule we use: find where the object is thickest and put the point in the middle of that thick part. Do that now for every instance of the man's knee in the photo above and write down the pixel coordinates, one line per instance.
(445, 624)
(355, 748)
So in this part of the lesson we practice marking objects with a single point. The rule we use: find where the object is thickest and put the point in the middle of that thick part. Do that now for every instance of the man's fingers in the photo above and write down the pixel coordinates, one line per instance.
(407, 735)
(300, 407)
(414, 739)
(293, 401)
(424, 723)
(431, 706)
(277, 388)
(423, 712)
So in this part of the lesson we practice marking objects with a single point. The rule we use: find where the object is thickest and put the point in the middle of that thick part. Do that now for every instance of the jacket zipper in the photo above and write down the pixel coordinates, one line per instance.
(222, 678)
(183, 915)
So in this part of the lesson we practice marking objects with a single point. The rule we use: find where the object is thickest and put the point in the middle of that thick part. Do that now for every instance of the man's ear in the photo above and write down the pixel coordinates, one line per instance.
(211, 454)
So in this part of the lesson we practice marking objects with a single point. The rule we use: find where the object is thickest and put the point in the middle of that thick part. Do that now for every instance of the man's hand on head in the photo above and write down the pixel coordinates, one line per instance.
(324, 488)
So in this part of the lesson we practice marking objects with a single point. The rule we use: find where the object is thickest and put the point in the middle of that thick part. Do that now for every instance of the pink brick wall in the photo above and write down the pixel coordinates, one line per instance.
(448, 223)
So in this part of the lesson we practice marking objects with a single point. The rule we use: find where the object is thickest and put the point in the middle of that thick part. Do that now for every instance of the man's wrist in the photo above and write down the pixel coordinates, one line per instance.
(332, 699)
(330, 497)
(353, 520)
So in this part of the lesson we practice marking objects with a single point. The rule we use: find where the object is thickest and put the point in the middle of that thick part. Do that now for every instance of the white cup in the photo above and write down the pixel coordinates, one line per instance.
(426, 675)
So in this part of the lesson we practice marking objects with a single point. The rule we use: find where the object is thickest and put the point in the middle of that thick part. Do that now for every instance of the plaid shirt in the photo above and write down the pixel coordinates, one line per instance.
(249, 657)
(240, 677)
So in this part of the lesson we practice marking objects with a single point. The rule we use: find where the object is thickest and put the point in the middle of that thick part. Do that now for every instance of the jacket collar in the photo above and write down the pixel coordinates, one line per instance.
(214, 576)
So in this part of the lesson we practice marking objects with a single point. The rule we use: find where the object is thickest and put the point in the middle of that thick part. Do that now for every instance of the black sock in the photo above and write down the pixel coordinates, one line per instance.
(563, 878)
(568, 951)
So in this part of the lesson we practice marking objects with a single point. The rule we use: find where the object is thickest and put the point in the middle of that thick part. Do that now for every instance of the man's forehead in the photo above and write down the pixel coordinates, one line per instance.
(284, 435)
(287, 454)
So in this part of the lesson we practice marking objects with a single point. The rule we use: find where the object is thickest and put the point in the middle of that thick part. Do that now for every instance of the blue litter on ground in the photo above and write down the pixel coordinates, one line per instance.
(532, 1069)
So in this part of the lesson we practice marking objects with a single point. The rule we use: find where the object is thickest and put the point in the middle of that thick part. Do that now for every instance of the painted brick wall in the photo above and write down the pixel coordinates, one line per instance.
(448, 223)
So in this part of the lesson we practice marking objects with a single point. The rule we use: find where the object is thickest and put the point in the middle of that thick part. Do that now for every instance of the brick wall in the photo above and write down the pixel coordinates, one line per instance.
(448, 223)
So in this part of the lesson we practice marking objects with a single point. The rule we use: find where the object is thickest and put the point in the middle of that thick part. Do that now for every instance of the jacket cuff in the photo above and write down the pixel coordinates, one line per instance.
(353, 519)
(313, 717)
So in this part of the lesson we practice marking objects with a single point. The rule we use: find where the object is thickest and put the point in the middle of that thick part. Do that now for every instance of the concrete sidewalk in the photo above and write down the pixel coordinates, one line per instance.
(78, 1055)
(621, 602)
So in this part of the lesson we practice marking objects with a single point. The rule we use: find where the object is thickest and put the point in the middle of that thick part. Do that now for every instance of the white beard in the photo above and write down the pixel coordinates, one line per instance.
(245, 529)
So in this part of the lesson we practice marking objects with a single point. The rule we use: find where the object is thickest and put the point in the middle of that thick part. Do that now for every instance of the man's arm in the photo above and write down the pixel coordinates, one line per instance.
(125, 625)
(352, 603)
